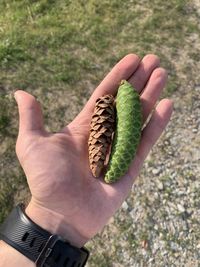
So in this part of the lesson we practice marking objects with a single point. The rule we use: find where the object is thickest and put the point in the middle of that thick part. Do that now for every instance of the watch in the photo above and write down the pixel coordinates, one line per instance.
(37, 244)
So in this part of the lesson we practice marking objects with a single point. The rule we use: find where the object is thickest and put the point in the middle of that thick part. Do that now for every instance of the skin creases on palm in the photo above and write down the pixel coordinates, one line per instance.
(127, 134)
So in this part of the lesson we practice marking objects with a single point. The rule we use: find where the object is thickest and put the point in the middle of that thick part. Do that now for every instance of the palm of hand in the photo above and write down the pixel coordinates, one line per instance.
(56, 165)
(62, 181)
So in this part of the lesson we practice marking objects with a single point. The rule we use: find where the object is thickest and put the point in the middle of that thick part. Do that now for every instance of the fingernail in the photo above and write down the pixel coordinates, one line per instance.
(17, 95)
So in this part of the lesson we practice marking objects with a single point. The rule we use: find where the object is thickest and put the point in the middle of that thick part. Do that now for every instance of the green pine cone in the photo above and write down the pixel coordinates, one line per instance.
(127, 134)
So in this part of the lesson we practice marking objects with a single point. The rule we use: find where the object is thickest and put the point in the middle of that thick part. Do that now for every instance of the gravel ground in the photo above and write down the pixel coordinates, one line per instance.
(158, 225)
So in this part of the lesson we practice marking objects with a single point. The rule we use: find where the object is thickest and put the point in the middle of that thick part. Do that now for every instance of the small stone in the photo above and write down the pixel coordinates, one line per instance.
(180, 208)
(156, 246)
(156, 171)
(151, 260)
(174, 246)
(156, 227)
(194, 130)
(164, 253)
(160, 185)
(124, 205)
(197, 88)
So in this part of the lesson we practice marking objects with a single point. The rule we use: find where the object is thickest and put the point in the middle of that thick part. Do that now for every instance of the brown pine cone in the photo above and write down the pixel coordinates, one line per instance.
(101, 129)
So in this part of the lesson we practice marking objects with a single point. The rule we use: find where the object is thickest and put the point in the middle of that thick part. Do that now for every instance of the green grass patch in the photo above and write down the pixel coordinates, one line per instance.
(4, 116)
(57, 43)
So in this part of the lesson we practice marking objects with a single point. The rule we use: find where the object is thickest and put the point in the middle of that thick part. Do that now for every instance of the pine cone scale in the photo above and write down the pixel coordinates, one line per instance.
(101, 129)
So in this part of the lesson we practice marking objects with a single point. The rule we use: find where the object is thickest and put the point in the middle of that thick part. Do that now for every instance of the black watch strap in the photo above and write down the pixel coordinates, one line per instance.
(46, 250)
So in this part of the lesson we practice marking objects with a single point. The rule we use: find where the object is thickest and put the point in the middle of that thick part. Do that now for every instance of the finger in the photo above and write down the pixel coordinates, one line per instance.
(129, 68)
(146, 67)
(122, 70)
(152, 91)
(30, 114)
(151, 133)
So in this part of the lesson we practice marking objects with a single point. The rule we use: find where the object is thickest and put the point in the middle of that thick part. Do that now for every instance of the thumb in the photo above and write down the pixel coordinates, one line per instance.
(30, 113)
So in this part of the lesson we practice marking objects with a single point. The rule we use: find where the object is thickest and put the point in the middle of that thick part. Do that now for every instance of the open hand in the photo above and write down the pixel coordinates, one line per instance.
(66, 198)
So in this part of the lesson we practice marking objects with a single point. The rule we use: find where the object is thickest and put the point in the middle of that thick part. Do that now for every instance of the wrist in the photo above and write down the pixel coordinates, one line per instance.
(54, 223)
(10, 256)
(35, 245)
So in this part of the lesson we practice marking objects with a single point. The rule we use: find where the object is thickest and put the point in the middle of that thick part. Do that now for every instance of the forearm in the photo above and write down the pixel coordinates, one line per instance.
(10, 257)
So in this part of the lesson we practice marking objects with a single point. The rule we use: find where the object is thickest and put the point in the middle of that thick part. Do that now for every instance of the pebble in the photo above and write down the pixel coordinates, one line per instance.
(151, 260)
(180, 208)
(156, 227)
(160, 185)
(124, 205)
(156, 171)
(174, 246)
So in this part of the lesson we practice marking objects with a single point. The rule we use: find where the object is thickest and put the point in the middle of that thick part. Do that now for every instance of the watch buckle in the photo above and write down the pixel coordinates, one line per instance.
(46, 251)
